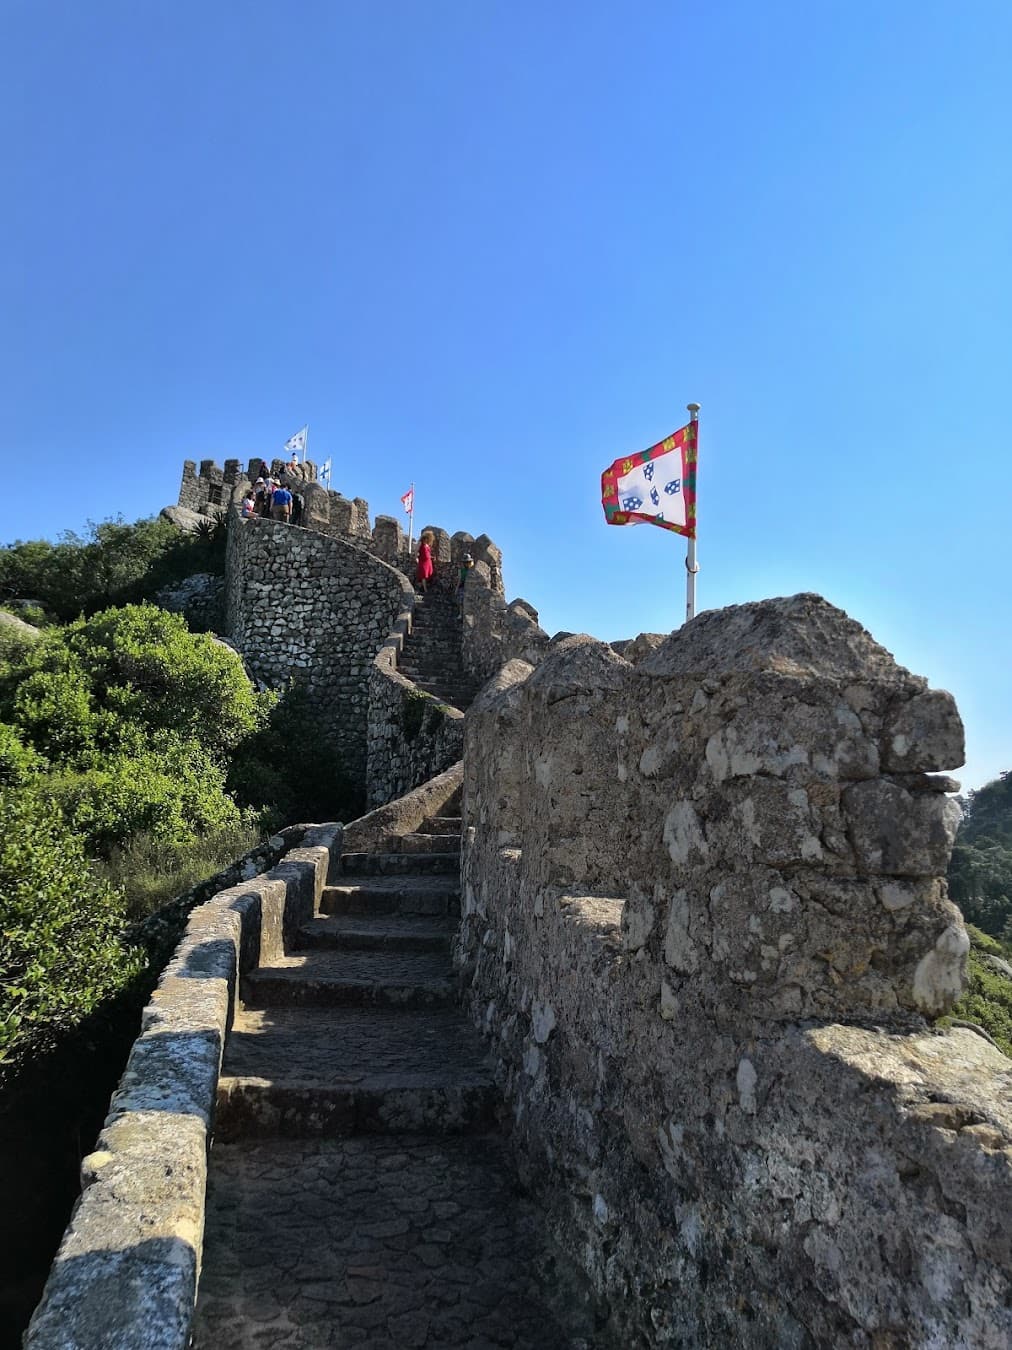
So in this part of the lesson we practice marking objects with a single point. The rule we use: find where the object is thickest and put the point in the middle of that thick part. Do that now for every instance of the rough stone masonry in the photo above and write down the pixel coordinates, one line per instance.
(705, 919)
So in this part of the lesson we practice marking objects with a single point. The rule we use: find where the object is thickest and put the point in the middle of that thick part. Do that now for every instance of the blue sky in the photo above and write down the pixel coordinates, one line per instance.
(489, 247)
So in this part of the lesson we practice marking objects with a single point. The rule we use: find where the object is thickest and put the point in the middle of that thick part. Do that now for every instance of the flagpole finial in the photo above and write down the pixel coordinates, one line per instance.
(693, 411)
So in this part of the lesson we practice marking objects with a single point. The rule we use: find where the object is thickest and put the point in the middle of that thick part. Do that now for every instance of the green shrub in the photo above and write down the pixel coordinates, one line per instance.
(150, 871)
(19, 764)
(987, 1000)
(62, 952)
(113, 564)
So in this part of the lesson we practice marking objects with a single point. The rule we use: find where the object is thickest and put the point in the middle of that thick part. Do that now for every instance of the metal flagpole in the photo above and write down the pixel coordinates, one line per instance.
(691, 566)
(305, 445)
(411, 516)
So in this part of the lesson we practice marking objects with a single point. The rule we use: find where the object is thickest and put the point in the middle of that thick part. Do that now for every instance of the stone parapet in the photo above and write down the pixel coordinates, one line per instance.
(704, 920)
(411, 735)
(126, 1271)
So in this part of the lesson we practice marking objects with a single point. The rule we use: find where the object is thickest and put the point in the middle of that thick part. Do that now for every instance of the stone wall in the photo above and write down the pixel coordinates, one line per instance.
(495, 632)
(313, 610)
(411, 735)
(704, 921)
(126, 1271)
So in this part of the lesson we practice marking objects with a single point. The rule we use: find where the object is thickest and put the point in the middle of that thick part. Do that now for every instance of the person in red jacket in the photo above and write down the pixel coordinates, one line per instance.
(425, 568)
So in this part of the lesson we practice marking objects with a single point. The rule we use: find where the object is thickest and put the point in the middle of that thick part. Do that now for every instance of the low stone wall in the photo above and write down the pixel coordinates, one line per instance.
(314, 610)
(411, 735)
(704, 921)
(126, 1271)
(405, 814)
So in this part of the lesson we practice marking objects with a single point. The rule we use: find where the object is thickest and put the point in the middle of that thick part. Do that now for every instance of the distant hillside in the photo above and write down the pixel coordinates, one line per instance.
(980, 874)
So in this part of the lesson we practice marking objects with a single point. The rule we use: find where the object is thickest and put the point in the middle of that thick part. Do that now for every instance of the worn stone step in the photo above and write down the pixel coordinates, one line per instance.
(351, 932)
(402, 864)
(382, 1241)
(297, 1071)
(430, 895)
(419, 843)
(440, 825)
(352, 980)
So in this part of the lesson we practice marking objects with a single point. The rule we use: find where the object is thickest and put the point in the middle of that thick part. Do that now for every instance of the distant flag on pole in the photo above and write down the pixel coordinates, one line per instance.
(655, 486)
(408, 500)
(325, 472)
(297, 443)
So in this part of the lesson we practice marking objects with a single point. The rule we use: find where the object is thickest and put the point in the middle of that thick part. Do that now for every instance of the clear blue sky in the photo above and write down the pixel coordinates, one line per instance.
(491, 246)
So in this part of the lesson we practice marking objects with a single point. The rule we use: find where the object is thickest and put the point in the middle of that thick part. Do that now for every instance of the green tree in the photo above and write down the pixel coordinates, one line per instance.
(980, 873)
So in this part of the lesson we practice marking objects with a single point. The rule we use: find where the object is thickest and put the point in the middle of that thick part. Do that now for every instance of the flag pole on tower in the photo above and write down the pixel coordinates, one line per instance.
(657, 486)
(691, 566)
(408, 502)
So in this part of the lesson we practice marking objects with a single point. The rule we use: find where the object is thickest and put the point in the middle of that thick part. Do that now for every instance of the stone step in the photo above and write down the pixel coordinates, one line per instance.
(294, 1072)
(337, 979)
(406, 895)
(389, 1240)
(422, 843)
(440, 825)
(351, 932)
(402, 864)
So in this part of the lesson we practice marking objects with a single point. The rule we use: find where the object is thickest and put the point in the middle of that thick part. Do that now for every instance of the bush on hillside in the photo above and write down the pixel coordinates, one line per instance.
(987, 999)
(149, 872)
(980, 873)
(115, 563)
(62, 952)
(133, 719)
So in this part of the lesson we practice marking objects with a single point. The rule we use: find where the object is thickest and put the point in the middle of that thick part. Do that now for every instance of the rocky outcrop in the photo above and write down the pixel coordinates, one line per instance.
(200, 599)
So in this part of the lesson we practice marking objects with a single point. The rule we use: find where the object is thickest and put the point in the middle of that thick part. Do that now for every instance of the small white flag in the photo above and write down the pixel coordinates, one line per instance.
(408, 501)
(325, 472)
(297, 442)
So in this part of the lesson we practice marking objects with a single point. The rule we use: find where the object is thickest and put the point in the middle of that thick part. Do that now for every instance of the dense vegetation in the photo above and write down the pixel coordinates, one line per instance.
(135, 759)
(980, 874)
(113, 564)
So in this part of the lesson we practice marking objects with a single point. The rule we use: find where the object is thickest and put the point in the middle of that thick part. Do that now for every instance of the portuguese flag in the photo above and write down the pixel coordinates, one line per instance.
(655, 486)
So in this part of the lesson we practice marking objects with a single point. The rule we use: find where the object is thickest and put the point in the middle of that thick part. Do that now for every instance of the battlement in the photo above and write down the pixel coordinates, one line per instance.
(211, 489)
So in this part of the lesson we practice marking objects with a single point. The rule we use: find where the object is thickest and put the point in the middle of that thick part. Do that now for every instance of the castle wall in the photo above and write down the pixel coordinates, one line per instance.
(411, 735)
(314, 610)
(704, 920)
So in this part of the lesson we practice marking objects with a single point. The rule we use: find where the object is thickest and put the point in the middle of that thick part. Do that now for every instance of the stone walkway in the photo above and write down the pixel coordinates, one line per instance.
(360, 1192)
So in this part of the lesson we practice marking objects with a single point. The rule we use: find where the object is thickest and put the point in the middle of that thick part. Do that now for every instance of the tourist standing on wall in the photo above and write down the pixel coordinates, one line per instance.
(249, 505)
(281, 504)
(425, 568)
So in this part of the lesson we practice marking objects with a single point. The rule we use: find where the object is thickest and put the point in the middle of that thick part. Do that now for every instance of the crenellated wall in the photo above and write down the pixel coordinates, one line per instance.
(704, 919)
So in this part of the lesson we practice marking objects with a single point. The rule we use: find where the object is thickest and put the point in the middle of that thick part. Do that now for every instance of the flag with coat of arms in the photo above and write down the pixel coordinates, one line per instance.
(655, 486)
(408, 500)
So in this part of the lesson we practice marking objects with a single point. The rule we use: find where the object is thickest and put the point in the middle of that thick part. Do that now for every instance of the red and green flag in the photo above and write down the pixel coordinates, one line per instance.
(655, 486)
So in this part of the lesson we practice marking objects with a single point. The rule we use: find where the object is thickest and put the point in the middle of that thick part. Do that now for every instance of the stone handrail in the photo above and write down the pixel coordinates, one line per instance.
(126, 1271)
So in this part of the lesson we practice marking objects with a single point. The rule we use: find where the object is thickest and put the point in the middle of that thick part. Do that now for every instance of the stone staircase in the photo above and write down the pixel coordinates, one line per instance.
(360, 1192)
(430, 657)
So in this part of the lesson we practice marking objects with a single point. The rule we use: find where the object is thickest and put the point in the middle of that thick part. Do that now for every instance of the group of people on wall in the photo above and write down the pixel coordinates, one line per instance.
(269, 497)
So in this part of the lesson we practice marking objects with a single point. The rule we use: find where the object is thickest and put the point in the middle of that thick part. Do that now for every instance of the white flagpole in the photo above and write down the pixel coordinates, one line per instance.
(305, 445)
(411, 516)
(691, 566)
